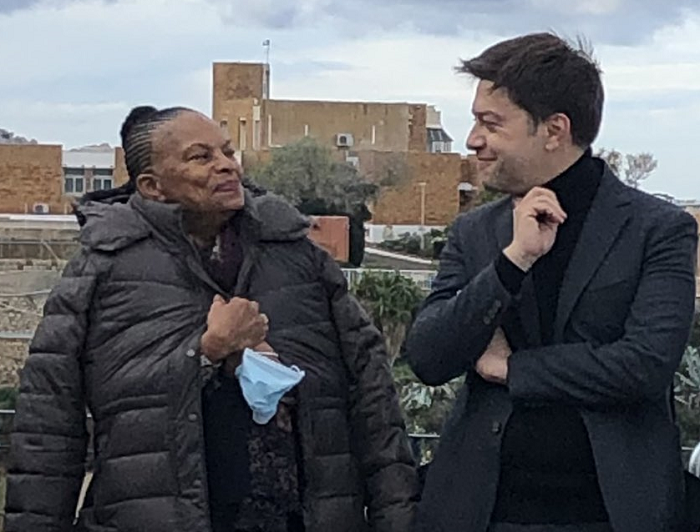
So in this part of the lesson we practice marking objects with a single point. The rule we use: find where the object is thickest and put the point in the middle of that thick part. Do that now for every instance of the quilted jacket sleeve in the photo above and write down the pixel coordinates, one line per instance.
(49, 442)
(378, 429)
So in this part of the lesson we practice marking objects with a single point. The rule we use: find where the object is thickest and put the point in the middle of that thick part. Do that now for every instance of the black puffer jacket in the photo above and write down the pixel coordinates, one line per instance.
(120, 336)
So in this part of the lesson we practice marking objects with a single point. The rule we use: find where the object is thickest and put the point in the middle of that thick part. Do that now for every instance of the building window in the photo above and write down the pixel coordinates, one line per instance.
(438, 141)
(256, 135)
(441, 147)
(102, 178)
(242, 135)
(102, 183)
(73, 183)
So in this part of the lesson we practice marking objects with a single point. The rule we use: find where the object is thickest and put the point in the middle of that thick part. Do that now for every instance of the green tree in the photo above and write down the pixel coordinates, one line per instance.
(687, 393)
(306, 174)
(428, 245)
(391, 299)
(8, 397)
(425, 407)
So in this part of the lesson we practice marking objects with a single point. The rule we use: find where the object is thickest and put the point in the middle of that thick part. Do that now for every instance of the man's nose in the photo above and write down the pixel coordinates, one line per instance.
(475, 140)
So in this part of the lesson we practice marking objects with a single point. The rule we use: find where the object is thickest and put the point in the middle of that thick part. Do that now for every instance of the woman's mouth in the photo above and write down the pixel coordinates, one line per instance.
(228, 187)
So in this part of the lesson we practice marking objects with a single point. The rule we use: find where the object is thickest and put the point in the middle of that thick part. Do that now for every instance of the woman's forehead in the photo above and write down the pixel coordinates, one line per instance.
(186, 129)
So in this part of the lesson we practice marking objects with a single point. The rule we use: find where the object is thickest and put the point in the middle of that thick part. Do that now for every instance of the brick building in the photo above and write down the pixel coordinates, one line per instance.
(428, 194)
(693, 207)
(436, 183)
(241, 103)
(45, 179)
(31, 178)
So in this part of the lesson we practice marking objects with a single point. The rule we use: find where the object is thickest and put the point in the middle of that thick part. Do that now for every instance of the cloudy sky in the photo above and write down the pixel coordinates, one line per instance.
(71, 69)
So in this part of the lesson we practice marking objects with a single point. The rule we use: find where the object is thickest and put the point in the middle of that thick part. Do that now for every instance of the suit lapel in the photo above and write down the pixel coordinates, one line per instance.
(605, 220)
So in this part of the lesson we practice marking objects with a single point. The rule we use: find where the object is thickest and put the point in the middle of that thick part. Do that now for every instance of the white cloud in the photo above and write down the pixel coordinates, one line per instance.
(587, 7)
(64, 122)
(599, 7)
(70, 74)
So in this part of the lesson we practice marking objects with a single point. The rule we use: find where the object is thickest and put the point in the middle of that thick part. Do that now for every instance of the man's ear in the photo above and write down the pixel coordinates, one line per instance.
(558, 131)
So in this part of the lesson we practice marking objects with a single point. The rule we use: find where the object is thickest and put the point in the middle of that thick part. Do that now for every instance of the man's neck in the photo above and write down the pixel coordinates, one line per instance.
(561, 164)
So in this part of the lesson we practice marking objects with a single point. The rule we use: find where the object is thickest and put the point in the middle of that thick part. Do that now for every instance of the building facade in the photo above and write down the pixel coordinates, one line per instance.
(241, 103)
(435, 183)
(45, 179)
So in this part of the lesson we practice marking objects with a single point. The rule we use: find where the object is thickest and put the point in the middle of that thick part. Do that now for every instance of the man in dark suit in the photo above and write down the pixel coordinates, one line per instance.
(566, 306)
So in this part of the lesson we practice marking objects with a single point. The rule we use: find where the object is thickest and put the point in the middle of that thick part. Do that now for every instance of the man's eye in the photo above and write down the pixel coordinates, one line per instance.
(198, 156)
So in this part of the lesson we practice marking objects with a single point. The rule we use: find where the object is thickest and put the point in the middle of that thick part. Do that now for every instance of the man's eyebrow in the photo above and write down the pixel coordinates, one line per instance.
(488, 114)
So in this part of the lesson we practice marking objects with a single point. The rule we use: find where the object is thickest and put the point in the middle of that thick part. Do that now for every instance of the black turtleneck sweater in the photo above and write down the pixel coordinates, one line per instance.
(547, 469)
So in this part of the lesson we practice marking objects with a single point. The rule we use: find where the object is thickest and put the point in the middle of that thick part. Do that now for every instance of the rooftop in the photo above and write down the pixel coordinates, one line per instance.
(89, 157)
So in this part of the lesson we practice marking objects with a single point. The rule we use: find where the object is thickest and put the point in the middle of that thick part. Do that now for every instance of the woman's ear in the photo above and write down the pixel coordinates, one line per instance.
(149, 187)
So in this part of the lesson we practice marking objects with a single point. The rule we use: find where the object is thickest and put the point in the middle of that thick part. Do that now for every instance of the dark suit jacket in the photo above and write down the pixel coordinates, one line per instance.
(624, 315)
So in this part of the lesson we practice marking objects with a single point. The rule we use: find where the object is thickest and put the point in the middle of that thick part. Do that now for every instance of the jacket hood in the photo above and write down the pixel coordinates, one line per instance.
(119, 222)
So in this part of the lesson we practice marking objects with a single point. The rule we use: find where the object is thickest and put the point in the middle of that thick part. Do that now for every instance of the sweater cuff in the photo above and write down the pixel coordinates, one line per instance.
(509, 274)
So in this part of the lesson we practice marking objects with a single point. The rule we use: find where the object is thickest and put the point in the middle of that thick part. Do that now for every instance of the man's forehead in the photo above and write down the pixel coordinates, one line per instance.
(492, 100)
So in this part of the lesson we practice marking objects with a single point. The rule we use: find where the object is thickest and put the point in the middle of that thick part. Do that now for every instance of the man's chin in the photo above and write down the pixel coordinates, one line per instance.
(496, 188)
(511, 189)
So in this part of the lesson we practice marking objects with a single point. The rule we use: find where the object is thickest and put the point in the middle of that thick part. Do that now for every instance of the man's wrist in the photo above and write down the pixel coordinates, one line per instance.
(522, 260)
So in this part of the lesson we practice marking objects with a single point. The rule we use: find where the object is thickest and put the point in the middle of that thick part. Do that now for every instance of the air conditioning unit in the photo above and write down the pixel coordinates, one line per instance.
(344, 140)
(40, 208)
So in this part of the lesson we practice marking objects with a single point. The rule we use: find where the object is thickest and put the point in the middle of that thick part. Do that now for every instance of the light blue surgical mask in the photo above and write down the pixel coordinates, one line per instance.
(264, 382)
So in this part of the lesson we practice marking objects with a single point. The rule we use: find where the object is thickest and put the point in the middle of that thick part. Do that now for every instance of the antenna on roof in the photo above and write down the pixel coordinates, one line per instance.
(266, 46)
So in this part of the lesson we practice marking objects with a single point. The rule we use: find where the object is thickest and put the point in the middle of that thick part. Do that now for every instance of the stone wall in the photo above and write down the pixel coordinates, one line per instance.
(430, 177)
(13, 354)
(242, 105)
(373, 126)
(31, 174)
(20, 314)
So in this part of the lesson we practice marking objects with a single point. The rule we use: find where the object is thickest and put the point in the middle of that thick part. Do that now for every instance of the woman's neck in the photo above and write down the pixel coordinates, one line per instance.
(203, 228)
